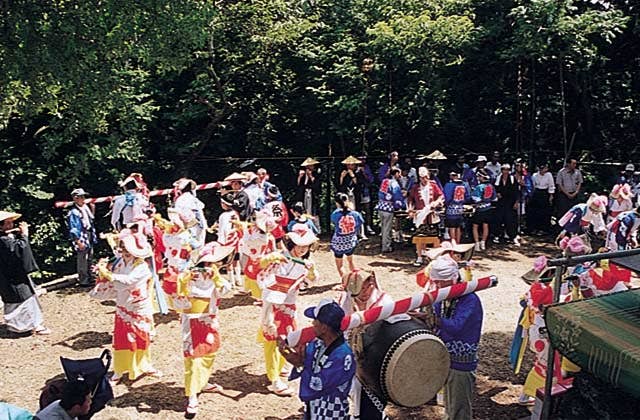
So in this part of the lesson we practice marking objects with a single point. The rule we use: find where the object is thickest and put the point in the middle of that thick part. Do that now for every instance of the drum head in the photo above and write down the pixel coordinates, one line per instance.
(416, 369)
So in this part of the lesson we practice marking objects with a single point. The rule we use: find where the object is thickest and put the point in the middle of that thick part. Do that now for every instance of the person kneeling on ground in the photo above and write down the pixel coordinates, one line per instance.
(75, 402)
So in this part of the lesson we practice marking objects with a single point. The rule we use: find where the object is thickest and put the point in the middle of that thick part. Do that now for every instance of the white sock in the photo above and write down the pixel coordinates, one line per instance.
(482, 245)
(193, 400)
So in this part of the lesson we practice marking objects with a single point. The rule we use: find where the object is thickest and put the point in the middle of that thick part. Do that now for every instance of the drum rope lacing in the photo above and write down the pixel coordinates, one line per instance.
(390, 353)
(376, 402)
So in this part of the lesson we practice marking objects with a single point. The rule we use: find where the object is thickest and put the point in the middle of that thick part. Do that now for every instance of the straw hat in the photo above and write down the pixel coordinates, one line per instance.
(351, 160)
(451, 246)
(309, 161)
(597, 203)
(622, 190)
(249, 176)
(265, 222)
(354, 280)
(436, 155)
(540, 272)
(183, 183)
(301, 235)
(134, 177)
(214, 252)
(277, 289)
(135, 243)
(235, 177)
(9, 215)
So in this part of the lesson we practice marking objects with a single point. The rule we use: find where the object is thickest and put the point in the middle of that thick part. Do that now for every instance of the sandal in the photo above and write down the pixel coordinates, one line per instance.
(212, 388)
(42, 330)
(154, 373)
(191, 410)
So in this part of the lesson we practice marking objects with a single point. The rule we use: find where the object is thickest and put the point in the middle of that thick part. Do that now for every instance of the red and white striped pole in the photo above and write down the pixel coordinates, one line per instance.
(154, 193)
(402, 306)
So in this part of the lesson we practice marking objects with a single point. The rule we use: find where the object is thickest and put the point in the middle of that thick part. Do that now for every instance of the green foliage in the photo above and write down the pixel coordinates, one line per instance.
(90, 91)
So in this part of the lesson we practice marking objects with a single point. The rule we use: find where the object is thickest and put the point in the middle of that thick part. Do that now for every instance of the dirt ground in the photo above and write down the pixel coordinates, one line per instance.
(82, 328)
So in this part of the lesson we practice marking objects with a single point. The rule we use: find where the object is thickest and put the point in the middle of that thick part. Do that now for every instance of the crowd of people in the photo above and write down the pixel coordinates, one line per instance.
(261, 247)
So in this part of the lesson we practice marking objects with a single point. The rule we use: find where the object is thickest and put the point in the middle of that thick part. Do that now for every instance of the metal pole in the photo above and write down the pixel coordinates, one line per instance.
(548, 384)
(592, 257)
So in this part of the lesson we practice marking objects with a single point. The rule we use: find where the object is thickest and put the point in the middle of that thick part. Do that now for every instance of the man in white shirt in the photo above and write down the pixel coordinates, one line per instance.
(541, 205)
(494, 166)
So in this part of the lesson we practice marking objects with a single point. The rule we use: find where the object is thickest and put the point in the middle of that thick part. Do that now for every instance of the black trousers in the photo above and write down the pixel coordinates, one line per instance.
(539, 212)
(506, 219)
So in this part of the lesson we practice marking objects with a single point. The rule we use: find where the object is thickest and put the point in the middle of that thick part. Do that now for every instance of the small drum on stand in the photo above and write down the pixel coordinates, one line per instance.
(402, 362)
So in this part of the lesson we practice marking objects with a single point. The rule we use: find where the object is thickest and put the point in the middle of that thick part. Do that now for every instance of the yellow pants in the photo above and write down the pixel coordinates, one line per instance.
(251, 285)
(197, 371)
(135, 363)
(532, 383)
(273, 360)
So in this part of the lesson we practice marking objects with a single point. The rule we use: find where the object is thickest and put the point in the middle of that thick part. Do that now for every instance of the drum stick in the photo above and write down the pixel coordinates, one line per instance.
(402, 306)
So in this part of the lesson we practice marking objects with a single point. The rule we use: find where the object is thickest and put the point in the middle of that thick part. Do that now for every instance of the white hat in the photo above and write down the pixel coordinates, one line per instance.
(78, 192)
(183, 183)
(8, 215)
(481, 158)
(448, 246)
(134, 177)
(630, 167)
(214, 252)
(135, 243)
(505, 166)
(301, 235)
(444, 268)
(422, 172)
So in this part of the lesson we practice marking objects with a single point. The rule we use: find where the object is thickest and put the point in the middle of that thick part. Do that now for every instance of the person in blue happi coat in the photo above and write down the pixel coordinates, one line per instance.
(326, 365)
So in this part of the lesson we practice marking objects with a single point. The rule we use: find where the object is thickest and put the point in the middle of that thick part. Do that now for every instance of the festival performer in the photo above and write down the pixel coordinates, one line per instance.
(622, 232)
(22, 310)
(325, 366)
(264, 183)
(127, 281)
(390, 199)
(253, 190)
(82, 233)
(282, 276)
(190, 210)
(483, 195)
(256, 242)
(299, 216)
(620, 201)
(132, 204)
(422, 201)
(460, 253)
(229, 232)
(308, 191)
(583, 216)
(459, 325)
(200, 290)
(361, 291)
(532, 324)
(346, 223)
(456, 193)
(277, 209)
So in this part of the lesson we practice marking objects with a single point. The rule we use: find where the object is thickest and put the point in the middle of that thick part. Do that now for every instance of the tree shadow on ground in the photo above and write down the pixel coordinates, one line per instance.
(161, 319)
(5, 333)
(86, 340)
(319, 289)
(291, 417)
(240, 382)
(236, 300)
(152, 398)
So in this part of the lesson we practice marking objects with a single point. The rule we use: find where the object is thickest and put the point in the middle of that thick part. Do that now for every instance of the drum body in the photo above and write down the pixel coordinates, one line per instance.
(402, 362)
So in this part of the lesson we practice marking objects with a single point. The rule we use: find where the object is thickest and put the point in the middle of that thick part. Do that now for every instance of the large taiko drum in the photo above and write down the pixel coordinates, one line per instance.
(402, 362)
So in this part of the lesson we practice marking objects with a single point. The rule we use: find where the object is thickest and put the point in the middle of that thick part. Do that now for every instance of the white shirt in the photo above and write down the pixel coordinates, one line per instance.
(494, 168)
(544, 182)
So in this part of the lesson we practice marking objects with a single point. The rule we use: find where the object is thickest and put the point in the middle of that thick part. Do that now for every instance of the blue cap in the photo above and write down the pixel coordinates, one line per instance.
(327, 312)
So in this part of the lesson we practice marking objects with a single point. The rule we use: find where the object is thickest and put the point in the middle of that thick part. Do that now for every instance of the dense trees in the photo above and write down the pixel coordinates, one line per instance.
(90, 90)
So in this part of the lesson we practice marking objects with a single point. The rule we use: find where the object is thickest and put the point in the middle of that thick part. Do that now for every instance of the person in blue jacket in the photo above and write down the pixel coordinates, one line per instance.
(456, 194)
(82, 234)
(459, 326)
(390, 199)
(326, 366)
(346, 224)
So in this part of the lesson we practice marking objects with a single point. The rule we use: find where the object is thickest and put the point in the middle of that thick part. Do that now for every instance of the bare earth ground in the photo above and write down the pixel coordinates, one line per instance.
(82, 328)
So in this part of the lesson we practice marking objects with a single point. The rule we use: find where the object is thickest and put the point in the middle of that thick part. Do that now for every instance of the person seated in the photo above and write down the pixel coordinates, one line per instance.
(75, 402)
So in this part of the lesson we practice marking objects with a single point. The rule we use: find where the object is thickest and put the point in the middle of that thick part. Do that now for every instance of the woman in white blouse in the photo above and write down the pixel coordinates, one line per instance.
(541, 206)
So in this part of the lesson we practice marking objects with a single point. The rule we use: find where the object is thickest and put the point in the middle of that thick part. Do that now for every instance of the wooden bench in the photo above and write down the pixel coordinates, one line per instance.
(429, 241)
